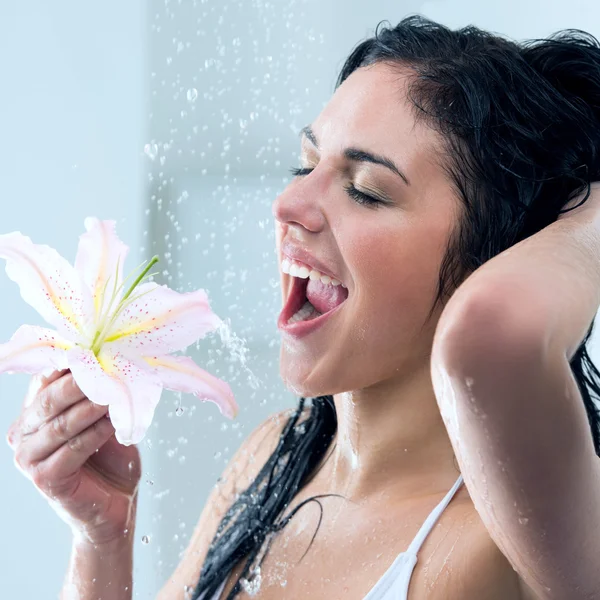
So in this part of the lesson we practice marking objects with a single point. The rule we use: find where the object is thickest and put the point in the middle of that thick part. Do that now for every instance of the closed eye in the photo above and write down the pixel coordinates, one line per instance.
(356, 195)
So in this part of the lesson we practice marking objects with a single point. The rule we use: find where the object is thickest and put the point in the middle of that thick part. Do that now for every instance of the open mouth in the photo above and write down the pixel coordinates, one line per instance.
(306, 303)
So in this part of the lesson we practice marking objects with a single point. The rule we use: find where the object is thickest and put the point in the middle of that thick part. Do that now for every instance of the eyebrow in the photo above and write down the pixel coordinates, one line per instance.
(356, 154)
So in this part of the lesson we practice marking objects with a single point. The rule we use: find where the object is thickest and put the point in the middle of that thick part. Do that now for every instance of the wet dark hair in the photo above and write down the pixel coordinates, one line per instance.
(520, 128)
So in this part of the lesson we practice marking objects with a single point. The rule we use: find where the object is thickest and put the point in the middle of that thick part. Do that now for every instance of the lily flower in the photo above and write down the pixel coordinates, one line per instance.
(116, 343)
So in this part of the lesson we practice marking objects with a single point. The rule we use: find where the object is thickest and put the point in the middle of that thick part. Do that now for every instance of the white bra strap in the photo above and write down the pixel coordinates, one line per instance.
(432, 518)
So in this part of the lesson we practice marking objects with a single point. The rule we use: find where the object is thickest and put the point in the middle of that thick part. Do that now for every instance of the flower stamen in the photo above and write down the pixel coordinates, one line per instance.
(104, 328)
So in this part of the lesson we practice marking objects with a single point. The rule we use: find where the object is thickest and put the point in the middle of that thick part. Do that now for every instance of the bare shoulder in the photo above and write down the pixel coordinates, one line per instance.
(241, 470)
(466, 561)
(485, 567)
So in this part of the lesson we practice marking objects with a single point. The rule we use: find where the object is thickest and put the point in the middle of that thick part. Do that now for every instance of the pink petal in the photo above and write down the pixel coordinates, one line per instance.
(33, 349)
(48, 283)
(163, 321)
(99, 254)
(130, 392)
(180, 373)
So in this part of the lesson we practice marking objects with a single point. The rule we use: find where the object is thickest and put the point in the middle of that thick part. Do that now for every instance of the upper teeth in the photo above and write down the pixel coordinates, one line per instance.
(299, 270)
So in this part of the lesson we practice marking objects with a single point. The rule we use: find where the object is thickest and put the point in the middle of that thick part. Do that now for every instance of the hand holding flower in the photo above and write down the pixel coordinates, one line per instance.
(110, 351)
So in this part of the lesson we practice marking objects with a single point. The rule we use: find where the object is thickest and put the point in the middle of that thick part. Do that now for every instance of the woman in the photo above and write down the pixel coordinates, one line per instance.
(438, 151)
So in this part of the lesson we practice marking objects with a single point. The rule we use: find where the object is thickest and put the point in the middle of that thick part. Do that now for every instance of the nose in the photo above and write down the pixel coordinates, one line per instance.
(299, 205)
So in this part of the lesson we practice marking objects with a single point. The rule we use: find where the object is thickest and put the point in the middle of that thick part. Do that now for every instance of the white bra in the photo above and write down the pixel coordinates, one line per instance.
(393, 584)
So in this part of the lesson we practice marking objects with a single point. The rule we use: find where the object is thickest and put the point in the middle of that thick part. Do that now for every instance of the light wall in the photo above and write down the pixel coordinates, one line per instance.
(72, 115)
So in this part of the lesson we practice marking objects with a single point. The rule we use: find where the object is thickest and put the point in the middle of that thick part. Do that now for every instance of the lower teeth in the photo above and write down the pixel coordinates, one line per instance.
(307, 312)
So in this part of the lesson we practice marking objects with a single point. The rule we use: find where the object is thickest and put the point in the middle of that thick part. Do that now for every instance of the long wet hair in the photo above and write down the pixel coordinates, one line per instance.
(520, 125)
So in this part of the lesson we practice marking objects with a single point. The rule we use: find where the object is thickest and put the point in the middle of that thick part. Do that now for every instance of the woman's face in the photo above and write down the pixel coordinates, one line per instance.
(386, 254)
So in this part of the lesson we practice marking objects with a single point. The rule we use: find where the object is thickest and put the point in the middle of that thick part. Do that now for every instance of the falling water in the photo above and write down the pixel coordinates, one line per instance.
(223, 107)
(238, 351)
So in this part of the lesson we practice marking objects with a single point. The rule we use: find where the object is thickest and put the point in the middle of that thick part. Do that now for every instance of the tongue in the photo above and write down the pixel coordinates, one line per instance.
(324, 296)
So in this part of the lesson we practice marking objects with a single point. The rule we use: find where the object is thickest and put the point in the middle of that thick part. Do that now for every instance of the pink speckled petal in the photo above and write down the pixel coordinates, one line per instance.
(182, 374)
(33, 349)
(163, 321)
(131, 393)
(48, 283)
(100, 258)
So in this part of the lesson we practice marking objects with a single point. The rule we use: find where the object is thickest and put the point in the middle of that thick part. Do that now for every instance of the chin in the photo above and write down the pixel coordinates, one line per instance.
(305, 384)
(299, 386)
(300, 383)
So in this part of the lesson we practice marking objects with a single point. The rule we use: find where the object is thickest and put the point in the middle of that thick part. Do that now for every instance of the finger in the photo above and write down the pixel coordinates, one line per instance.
(49, 402)
(54, 376)
(36, 383)
(52, 435)
(54, 475)
(40, 381)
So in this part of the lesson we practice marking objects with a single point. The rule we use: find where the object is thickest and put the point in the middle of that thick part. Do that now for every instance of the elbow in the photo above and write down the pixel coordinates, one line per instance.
(489, 332)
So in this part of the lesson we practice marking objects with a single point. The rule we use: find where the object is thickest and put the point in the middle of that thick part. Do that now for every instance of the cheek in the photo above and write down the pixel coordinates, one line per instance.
(395, 274)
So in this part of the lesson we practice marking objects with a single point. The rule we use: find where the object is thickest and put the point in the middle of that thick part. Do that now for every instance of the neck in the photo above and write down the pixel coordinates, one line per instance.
(391, 436)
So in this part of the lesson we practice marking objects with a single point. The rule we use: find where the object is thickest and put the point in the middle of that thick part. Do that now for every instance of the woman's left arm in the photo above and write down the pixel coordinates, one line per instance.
(514, 414)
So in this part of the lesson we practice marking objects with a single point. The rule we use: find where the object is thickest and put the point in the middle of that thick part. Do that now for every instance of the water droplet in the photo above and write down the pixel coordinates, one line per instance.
(252, 586)
(131, 465)
(179, 411)
(192, 95)
(523, 520)
(145, 539)
(151, 150)
(149, 482)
